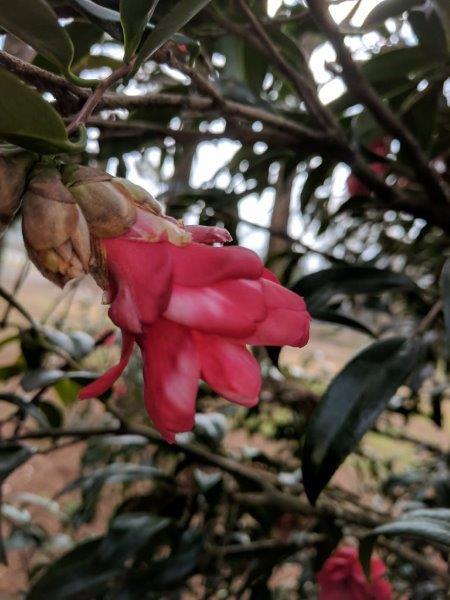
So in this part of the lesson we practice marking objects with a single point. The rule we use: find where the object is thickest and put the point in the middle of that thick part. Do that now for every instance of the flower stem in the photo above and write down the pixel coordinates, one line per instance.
(90, 104)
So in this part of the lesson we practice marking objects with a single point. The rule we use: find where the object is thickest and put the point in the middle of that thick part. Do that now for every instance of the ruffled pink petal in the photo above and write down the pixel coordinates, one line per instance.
(157, 228)
(287, 321)
(228, 308)
(171, 376)
(198, 265)
(209, 235)
(103, 383)
(229, 369)
(140, 276)
(282, 327)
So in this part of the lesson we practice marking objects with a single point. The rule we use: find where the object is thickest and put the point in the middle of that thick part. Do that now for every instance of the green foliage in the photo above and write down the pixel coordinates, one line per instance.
(351, 405)
(135, 17)
(29, 121)
(173, 21)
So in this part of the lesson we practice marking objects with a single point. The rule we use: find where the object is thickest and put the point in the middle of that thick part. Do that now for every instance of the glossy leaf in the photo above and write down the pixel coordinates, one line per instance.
(35, 23)
(319, 288)
(40, 378)
(331, 316)
(351, 405)
(11, 458)
(107, 19)
(75, 575)
(389, 64)
(27, 408)
(430, 31)
(445, 291)
(129, 533)
(135, 14)
(171, 23)
(430, 526)
(27, 120)
(419, 113)
(115, 473)
(170, 572)
(83, 36)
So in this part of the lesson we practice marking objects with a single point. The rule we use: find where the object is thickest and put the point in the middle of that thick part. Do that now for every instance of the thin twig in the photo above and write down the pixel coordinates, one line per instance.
(363, 91)
(23, 311)
(301, 83)
(95, 98)
(18, 284)
(432, 314)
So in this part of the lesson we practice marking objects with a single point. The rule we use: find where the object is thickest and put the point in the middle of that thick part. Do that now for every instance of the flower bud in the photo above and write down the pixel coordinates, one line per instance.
(54, 229)
(13, 171)
(139, 195)
(106, 202)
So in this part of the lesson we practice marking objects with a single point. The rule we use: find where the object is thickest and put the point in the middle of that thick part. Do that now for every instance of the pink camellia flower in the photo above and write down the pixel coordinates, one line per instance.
(355, 187)
(342, 578)
(192, 308)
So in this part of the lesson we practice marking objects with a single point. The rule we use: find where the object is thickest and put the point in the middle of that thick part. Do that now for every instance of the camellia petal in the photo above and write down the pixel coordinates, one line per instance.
(229, 308)
(103, 383)
(229, 369)
(171, 376)
(342, 578)
(135, 269)
(209, 235)
(199, 265)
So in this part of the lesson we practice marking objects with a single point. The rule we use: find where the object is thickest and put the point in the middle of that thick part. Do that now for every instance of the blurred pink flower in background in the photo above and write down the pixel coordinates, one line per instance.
(355, 187)
(342, 578)
(192, 308)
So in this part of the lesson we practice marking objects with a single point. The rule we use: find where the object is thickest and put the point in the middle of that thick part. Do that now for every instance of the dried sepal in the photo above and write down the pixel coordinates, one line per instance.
(108, 209)
(13, 173)
(54, 229)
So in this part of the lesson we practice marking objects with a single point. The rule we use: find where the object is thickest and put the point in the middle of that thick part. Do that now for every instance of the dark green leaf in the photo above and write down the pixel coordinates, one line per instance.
(9, 371)
(40, 378)
(319, 288)
(107, 19)
(74, 576)
(83, 36)
(427, 526)
(11, 457)
(171, 571)
(407, 61)
(97, 61)
(351, 405)
(127, 534)
(28, 408)
(35, 23)
(330, 316)
(316, 178)
(445, 290)
(27, 120)
(135, 14)
(115, 473)
(52, 413)
(430, 31)
(171, 23)
(419, 112)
